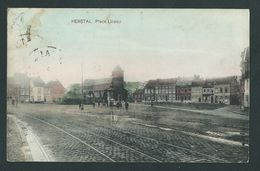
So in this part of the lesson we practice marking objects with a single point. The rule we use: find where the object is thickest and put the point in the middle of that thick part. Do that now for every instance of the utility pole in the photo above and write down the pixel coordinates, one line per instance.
(82, 105)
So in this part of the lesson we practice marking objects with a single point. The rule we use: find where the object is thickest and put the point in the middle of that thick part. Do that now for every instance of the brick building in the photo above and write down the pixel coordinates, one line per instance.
(160, 90)
(138, 95)
(183, 91)
(53, 91)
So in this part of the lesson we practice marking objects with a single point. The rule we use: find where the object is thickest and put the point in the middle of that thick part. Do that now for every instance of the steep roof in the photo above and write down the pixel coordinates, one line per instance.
(51, 84)
(101, 87)
(169, 81)
(92, 82)
(222, 80)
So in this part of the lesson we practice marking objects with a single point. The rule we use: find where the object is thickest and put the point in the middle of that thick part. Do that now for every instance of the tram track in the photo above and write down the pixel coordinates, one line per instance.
(196, 155)
(152, 159)
(161, 142)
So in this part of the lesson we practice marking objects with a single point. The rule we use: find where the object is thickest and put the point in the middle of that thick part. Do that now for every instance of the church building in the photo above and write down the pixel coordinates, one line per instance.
(106, 89)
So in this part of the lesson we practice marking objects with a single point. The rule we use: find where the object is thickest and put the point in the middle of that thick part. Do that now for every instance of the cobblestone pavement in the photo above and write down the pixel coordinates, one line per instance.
(16, 144)
(111, 135)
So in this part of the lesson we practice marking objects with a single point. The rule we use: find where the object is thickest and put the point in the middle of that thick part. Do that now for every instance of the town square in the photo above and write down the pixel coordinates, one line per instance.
(135, 88)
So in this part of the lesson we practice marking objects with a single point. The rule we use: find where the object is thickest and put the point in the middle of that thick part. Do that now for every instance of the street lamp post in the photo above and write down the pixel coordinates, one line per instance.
(82, 96)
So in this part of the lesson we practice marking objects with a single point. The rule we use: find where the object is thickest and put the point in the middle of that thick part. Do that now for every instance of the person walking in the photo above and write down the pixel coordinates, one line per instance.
(126, 105)
(79, 105)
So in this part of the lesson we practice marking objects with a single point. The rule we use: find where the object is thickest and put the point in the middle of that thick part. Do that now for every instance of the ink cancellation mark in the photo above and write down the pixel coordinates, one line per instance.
(45, 52)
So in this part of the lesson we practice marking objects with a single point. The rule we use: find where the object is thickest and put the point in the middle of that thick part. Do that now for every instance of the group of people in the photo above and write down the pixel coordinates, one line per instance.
(110, 104)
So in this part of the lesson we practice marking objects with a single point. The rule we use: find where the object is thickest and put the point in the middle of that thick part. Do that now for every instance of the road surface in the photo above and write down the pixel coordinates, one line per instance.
(141, 134)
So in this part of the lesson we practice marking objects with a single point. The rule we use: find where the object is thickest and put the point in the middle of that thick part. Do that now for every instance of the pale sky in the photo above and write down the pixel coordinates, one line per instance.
(147, 43)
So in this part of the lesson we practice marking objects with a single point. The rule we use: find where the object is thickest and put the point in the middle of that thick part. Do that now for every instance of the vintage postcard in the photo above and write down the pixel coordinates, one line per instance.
(128, 85)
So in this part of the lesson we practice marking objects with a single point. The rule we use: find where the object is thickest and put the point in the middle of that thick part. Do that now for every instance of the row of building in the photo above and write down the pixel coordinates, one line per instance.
(22, 88)
(226, 90)
(219, 90)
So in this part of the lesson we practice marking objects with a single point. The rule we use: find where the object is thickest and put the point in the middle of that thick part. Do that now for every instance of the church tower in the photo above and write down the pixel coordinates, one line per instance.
(118, 83)
(117, 72)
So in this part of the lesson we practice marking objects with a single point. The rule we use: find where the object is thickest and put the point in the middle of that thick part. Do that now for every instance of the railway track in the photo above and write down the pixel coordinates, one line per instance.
(127, 133)
(124, 144)
(177, 153)
(134, 155)
(163, 139)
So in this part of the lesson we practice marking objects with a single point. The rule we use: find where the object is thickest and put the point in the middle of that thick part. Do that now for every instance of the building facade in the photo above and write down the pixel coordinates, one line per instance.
(245, 78)
(222, 93)
(138, 95)
(53, 91)
(13, 90)
(183, 91)
(160, 90)
(223, 90)
(107, 89)
(24, 86)
(196, 91)
(208, 92)
(36, 90)
(226, 90)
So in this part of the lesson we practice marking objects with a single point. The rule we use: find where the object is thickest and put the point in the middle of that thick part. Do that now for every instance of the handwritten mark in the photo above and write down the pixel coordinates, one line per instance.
(26, 35)
(52, 47)
(46, 51)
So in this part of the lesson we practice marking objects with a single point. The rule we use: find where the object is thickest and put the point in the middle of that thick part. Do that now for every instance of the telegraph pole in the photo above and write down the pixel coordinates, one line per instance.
(82, 106)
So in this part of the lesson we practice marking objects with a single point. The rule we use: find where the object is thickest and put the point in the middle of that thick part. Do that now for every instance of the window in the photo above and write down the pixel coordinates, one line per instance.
(226, 89)
(216, 99)
(221, 90)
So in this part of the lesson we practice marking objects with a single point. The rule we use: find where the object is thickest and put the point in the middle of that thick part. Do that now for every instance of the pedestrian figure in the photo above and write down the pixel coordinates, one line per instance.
(98, 103)
(79, 105)
(126, 105)
(94, 104)
(117, 105)
(82, 107)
